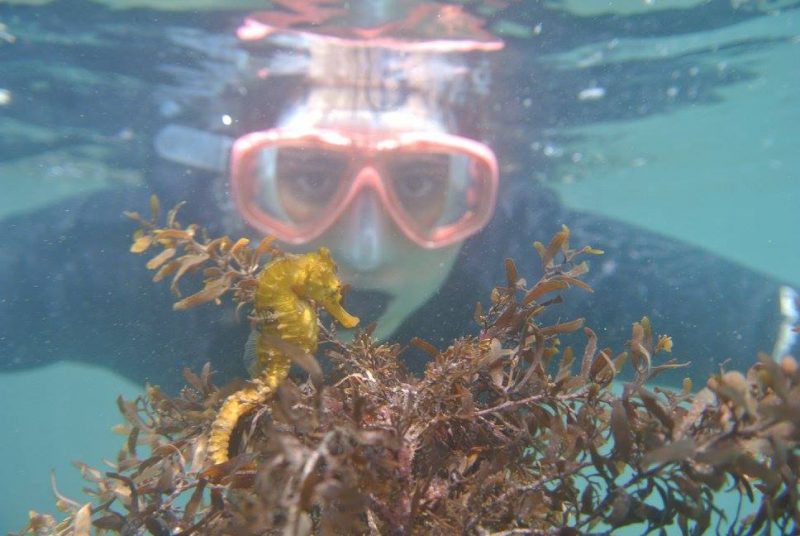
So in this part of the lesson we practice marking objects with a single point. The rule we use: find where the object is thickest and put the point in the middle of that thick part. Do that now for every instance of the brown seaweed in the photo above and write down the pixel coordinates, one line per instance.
(509, 432)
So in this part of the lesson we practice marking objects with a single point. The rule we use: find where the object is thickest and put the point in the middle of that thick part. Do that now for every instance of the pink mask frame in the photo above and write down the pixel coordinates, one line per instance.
(244, 189)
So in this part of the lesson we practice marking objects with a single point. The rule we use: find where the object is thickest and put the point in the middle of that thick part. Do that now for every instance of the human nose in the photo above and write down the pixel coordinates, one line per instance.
(365, 231)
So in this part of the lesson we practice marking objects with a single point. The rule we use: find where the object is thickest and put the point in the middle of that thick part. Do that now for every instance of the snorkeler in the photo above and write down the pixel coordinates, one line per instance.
(371, 141)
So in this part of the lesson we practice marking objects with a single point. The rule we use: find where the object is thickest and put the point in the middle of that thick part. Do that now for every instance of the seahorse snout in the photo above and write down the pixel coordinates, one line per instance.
(343, 317)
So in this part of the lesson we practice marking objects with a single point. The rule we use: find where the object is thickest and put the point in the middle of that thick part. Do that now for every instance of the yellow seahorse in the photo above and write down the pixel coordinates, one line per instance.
(290, 288)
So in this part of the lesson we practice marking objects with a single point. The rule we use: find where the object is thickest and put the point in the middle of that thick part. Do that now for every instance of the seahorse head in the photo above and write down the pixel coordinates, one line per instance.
(324, 287)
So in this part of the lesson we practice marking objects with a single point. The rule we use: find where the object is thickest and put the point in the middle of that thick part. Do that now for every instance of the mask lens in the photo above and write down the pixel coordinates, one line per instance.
(437, 189)
(296, 184)
(419, 183)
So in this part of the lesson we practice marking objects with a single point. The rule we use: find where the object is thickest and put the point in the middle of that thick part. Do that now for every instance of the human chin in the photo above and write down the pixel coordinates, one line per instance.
(390, 294)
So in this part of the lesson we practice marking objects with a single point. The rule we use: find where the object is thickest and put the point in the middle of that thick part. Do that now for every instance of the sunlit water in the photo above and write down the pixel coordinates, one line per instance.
(721, 173)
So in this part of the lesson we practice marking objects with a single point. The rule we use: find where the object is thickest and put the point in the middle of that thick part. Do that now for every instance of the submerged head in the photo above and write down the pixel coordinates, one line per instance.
(370, 160)
(375, 155)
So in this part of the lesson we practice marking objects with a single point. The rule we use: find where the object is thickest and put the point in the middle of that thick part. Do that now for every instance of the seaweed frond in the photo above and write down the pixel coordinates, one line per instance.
(227, 265)
(509, 432)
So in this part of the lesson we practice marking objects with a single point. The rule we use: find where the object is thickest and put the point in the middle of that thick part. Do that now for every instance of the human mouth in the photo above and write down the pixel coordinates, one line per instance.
(368, 305)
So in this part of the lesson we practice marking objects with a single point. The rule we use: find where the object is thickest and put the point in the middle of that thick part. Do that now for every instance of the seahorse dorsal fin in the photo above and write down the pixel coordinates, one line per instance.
(250, 356)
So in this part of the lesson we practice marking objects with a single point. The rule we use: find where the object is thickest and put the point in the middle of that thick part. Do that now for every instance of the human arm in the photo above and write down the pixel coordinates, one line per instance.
(70, 289)
(714, 309)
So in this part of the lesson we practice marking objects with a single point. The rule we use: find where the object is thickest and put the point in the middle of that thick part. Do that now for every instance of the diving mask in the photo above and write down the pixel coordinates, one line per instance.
(296, 183)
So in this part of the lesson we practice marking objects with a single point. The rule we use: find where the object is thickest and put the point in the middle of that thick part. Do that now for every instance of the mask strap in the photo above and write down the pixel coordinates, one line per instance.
(194, 147)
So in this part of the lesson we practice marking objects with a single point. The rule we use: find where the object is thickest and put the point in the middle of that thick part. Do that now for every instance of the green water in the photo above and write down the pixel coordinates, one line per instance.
(51, 417)
(724, 176)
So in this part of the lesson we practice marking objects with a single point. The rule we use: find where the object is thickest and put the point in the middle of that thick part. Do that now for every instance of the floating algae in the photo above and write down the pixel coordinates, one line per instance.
(507, 432)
